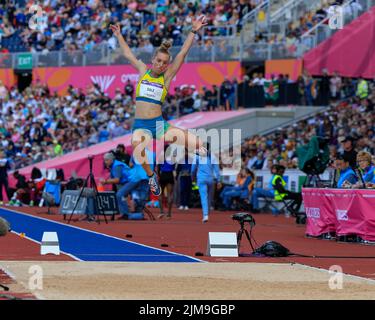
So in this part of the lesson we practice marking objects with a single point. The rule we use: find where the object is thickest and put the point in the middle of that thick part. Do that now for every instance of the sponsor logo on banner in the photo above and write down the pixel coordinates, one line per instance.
(313, 213)
(342, 215)
(134, 77)
(103, 81)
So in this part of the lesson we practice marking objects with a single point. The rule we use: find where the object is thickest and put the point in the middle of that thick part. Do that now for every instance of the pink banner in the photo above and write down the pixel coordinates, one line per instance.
(350, 51)
(344, 212)
(110, 78)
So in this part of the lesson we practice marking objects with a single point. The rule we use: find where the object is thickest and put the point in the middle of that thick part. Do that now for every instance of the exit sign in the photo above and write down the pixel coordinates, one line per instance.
(24, 61)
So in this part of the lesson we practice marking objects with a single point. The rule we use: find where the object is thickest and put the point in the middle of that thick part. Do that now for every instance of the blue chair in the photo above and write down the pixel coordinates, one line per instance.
(52, 194)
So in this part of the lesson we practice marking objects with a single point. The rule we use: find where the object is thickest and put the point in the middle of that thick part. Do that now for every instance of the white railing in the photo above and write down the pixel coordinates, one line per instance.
(292, 5)
(250, 16)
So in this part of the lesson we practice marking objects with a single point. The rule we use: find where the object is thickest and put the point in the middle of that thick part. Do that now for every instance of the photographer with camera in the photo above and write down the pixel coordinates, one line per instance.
(119, 176)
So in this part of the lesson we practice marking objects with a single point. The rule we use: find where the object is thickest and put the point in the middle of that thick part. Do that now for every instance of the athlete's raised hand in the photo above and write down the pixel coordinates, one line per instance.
(116, 29)
(199, 23)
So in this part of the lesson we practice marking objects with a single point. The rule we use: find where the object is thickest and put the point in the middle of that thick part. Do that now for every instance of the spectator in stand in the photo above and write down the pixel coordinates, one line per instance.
(121, 154)
(367, 169)
(226, 95)
(349, 151)
(259, 162)
(4, 167)
(36, 186)
(242, 87)
(129, 89)
(241, 189)
(22, 192)
(324, 89)
(335, 86)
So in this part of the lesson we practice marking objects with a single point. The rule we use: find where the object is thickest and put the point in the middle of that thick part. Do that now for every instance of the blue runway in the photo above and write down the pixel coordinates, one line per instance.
(89, 245)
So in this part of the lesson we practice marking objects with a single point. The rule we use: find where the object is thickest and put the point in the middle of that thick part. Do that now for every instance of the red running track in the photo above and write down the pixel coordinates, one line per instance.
(186, 234)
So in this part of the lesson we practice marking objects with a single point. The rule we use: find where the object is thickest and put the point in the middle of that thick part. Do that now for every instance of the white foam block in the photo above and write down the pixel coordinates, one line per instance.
(222, 244)
(50, 244)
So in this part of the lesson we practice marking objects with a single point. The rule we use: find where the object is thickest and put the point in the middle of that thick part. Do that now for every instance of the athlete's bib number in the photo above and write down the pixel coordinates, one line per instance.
(151, 90)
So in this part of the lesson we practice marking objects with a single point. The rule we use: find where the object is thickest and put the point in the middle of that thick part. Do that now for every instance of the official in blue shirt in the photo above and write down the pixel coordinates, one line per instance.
(126, 178)
(347, 176)
(120, 176)
(207, 171)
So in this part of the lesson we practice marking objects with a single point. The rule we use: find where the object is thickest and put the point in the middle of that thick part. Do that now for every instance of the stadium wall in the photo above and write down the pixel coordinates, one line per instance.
(111, 77)
(291, 67)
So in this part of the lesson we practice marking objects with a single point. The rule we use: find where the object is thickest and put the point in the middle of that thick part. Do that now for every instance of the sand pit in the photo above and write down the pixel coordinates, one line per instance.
(219, 281)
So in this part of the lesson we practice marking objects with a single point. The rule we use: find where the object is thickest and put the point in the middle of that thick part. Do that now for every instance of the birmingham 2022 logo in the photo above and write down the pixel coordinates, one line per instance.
(38, 21)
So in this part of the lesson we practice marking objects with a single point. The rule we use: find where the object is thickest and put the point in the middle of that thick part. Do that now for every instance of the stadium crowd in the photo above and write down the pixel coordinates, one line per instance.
(84, 23)
(36, 124)
(291, 37)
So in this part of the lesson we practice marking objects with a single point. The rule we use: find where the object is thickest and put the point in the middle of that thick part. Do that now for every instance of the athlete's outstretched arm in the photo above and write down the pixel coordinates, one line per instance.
(179, 60)
(138, 64)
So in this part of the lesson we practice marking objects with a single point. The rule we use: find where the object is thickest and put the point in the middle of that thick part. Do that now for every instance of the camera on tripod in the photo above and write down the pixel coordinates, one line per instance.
(243, 217)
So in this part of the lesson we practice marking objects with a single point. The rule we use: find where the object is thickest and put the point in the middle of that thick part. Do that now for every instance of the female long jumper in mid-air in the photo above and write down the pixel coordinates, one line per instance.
(151, 91)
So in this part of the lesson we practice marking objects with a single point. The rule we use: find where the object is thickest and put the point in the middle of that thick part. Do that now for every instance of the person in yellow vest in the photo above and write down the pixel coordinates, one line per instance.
(268, 192)
(280, 193)
(362, 89)
(152, 89)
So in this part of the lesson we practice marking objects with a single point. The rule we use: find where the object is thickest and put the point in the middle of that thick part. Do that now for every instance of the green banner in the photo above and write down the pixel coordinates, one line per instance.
(24, 61)
(271, 90)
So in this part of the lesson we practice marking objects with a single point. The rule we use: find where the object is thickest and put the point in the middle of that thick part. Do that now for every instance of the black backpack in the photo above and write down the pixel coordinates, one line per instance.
(273, 249)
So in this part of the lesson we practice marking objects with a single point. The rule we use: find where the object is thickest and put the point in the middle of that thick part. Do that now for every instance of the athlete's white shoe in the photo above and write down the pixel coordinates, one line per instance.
(154, 185)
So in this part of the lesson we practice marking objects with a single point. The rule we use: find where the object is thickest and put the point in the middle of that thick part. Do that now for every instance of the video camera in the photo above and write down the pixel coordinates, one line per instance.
(243, 217)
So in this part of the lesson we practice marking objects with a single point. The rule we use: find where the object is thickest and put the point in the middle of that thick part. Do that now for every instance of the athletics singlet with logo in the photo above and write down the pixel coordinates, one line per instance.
(150, 89)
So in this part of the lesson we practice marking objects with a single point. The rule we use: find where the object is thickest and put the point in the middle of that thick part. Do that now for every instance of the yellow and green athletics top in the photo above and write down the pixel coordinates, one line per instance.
(150, 89)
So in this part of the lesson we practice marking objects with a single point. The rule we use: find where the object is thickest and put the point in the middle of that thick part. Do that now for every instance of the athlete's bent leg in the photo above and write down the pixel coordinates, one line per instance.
(185, 138)
(140, 139)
